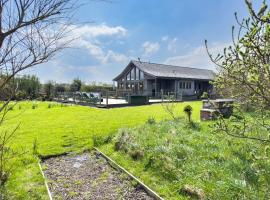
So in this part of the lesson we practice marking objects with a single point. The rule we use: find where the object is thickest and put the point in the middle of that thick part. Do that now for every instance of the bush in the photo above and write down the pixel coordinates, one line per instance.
(205, 95)
(122, 140)
(151, 120)
(188, 110)
(136, 154)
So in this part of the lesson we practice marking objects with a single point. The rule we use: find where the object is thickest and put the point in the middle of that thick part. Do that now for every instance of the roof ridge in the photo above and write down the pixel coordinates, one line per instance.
(171, 65)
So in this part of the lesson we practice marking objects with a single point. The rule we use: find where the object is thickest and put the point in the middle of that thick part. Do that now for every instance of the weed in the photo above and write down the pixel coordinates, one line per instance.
(34, 106)
(193, 192)
(151, 120)
(100, 140)
(136, 154)
(35, 147)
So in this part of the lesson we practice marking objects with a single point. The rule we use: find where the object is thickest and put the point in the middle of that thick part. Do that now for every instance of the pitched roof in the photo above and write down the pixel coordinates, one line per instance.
(170, 71)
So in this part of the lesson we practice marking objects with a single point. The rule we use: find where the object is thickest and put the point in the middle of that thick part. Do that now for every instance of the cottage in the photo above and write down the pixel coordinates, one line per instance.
(154, 79)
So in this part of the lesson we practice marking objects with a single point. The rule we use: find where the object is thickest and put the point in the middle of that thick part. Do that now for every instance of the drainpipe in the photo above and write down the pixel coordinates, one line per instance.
(155, 87)
(175, 88)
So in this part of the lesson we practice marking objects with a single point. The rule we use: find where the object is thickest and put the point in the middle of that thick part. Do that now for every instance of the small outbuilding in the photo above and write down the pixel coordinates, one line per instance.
(153, 79)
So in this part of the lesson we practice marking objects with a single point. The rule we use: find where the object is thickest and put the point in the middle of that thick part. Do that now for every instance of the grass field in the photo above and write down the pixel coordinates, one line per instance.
(170, 156)
(58, 129)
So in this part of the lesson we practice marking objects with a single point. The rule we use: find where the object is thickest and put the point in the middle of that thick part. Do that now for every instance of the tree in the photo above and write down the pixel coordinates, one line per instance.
(27, 86)
(48, 90)
(244, 74)
(76, 85)
(59, 88)
(31, 33)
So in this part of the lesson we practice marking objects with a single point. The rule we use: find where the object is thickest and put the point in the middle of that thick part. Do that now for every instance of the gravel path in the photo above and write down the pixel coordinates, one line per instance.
(88, 176)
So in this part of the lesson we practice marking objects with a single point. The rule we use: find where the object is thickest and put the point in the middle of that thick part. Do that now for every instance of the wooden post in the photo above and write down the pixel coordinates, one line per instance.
(175, 89)
(155, 87)
(107, 100)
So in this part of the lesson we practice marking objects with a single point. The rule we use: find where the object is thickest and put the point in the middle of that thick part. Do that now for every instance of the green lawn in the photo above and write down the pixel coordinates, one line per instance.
(58, 129)
(170, 155)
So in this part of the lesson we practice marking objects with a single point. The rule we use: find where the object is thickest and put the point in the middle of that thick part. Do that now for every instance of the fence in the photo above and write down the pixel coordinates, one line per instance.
(115, 98)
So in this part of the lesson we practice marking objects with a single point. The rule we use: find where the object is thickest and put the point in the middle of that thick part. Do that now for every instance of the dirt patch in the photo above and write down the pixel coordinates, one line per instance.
(89, 176)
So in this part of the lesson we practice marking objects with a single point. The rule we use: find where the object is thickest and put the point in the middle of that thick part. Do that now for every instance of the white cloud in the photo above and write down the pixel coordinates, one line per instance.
(172, 44)
(112, 56)
(149, 48)
(87, 37)
(99, 30)
(198, 56)
(164, 38)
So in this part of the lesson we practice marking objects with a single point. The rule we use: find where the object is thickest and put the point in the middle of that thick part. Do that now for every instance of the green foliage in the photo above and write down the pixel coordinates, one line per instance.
(76, 85)
(96, 87)
(48, 90)
(205, 95)
(28, 87)
(193, 161)
(151, 120)
(66, 129)
(244, 74)
(188, 111)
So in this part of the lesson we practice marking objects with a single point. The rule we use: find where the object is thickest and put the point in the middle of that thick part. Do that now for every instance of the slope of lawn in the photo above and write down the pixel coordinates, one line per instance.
(179, 160)
(56, 129)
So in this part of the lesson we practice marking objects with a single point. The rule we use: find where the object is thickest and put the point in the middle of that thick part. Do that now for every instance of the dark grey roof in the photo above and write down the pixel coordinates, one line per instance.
(170, 71)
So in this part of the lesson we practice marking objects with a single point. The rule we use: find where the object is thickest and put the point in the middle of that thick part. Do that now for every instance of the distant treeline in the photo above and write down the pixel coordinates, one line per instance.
(30, 87)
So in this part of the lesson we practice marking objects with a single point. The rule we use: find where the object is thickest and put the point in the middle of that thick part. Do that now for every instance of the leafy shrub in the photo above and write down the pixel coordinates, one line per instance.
(137, 154)
(122, 141)
(188, 110)
(151, 120)
(205, 95)
(193, 192)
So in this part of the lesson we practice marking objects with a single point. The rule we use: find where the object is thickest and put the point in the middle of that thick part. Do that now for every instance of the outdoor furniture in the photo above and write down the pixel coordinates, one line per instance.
(212, 108)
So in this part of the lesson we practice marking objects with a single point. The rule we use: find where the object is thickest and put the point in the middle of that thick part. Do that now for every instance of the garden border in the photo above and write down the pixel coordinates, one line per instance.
(148, 190)
(113, 164)
(45, 182)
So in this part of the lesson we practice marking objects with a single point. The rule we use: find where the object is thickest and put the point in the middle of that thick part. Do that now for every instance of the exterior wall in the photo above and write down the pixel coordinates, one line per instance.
(185, 92)
(194, 88)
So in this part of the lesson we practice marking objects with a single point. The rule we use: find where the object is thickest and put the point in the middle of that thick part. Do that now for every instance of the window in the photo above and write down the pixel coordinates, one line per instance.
(132, 74)
(137, 74)
(185, 85)
(128, 77)
(141, 75)
(180, 85)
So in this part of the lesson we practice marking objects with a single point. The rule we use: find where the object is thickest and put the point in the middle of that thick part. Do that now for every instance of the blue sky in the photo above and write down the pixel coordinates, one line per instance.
(163, 31)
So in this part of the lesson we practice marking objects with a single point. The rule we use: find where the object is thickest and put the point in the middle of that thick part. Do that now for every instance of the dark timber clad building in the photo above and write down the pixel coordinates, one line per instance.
(153, 79)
